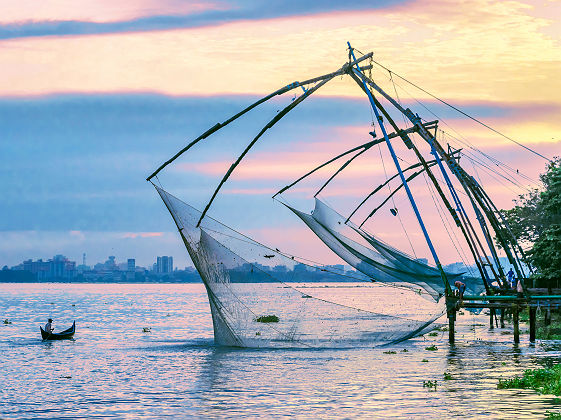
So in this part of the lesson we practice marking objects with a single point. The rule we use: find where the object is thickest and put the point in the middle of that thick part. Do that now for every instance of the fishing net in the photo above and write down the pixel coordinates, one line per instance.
(262, 297)
(378, 261)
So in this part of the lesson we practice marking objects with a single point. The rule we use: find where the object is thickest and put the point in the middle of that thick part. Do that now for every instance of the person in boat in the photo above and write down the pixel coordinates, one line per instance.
(49, 326)
(461, 288)
(510, 278)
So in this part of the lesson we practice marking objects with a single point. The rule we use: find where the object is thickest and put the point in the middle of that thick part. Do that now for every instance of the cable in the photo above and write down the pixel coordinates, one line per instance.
(465, 114)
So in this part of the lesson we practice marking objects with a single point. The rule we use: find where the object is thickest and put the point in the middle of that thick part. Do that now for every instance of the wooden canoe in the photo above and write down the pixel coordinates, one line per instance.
(63, 335)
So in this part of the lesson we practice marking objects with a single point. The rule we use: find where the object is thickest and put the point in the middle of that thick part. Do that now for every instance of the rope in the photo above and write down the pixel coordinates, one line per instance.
(465, 114)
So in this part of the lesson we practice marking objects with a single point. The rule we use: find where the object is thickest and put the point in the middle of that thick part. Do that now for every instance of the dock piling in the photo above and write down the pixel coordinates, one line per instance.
(532, 323)
(515, 321)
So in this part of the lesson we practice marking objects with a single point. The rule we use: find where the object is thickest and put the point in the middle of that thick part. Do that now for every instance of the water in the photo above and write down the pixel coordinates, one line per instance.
(114, 369)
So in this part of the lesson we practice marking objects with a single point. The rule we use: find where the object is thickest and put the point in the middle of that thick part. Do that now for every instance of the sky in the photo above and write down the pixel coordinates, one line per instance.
(95, 95)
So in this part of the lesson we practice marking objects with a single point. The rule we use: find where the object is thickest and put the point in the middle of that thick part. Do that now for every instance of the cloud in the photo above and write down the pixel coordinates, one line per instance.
(200, 15)
(133, 235)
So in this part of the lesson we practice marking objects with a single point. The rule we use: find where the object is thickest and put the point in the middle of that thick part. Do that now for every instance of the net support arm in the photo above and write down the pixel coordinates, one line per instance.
(409, 178)
(278, 92)
(364, 147)
(270, 124)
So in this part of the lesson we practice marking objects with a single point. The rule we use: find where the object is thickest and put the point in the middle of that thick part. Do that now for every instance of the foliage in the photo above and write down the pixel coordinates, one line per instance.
(430, 384)
(448, 376)
(553, 415)
(267, 318)
(431, 348)
(545, 381)
(390, 352)
(550, 332)
(535, 222)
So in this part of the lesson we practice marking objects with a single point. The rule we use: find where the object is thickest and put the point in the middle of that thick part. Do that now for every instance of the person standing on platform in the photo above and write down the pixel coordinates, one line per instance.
(519, 289)
(510, 278)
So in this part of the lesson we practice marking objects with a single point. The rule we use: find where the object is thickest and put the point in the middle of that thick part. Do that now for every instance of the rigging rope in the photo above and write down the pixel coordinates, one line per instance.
(465, 114)
(466, 142)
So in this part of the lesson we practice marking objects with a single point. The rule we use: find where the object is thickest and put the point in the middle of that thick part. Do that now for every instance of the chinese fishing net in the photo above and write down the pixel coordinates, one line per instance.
(379, 260)
(261, 297)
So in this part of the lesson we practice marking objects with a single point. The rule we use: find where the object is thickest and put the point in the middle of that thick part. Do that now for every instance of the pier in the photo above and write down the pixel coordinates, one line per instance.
(534, 299)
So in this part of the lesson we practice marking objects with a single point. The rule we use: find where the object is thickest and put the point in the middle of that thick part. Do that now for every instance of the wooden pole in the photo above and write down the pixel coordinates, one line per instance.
(502, 318)
(451, 321)
(532, 324)
(547, 317)
(492, 319)
(515, 321)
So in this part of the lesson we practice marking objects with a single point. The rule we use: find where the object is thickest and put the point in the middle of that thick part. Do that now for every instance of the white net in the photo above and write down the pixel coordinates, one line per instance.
(260, 297)
(377, 259)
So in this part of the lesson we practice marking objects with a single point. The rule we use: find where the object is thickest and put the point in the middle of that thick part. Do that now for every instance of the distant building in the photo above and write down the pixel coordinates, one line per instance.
(164, 265)
(131, 268)
(59, 267)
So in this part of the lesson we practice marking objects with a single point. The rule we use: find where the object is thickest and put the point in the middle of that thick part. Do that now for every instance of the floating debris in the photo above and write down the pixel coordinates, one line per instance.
(424, 360)
(433, 334)
(431, 348)
(147, 329)
(390, 352)
(7, 321)
(448, 376)
(267, 318)
(404, 351)
(430, 384)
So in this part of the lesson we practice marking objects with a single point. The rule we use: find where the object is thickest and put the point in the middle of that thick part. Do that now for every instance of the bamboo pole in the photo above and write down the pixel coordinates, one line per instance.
(516, 322)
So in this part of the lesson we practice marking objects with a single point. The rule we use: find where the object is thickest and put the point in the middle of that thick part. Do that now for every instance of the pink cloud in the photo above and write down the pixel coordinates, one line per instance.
(133, 235)
(99, 10)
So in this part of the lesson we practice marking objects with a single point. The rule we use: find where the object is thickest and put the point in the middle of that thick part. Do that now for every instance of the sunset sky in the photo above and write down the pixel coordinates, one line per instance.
(94, 95)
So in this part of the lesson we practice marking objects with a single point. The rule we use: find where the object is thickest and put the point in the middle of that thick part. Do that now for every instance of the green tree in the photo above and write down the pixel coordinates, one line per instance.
(535, 222)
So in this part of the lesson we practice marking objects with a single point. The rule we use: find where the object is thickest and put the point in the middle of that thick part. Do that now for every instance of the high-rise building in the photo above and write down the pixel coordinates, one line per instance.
(131, 268)
(164, 265)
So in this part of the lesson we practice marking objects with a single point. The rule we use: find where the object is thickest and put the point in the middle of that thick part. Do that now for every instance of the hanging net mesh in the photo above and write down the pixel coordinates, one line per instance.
(379, 261)
(261, 297)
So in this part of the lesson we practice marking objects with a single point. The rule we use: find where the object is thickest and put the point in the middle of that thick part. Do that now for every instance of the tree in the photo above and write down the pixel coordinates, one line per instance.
(535, 221)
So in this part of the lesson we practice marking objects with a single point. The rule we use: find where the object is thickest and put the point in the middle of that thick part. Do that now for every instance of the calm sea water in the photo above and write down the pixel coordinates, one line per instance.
(114, 369)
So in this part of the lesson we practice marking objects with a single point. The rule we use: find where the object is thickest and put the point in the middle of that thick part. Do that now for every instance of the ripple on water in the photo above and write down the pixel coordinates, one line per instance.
(114, 369)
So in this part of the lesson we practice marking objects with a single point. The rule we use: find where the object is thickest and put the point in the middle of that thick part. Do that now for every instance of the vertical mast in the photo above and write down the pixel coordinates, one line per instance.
(468, 183)
(359, 73)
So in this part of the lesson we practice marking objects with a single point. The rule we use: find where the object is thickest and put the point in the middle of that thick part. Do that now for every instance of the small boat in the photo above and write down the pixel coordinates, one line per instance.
(63, 335)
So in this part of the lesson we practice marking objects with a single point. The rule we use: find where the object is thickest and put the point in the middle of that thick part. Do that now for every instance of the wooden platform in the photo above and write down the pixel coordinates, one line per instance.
(542, 298)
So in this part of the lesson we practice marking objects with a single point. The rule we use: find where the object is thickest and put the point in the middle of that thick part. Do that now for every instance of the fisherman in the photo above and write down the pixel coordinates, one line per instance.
(49, 326)
(461, 288)
(510, 278)
(519, 289)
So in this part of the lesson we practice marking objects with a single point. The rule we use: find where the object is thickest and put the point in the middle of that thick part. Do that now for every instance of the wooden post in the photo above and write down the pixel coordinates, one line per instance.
(532, 323)
(503, 318)
(516, 324)
(547, 317)
(492, 319)
(451, 319)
